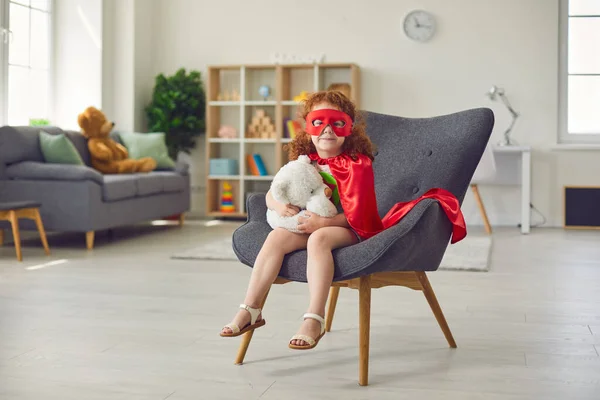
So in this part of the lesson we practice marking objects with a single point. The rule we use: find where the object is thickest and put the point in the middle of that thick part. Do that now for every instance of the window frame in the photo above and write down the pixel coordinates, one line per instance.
(564, 137)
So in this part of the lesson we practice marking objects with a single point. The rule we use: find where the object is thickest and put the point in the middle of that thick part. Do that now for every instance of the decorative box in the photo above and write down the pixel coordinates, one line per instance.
(223, 166)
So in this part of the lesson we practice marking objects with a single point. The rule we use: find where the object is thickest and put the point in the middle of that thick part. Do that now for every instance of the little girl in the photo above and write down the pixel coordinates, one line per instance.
(332, 129)
(335, 139)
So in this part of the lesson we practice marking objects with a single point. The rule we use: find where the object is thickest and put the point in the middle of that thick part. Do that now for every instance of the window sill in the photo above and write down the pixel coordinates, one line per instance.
(575, 146)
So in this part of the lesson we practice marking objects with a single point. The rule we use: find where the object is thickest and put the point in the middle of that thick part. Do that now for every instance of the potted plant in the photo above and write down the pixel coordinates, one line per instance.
(38, 122)
(178, 109)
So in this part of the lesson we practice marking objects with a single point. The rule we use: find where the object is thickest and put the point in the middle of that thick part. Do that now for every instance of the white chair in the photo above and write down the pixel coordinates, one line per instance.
(485, 172)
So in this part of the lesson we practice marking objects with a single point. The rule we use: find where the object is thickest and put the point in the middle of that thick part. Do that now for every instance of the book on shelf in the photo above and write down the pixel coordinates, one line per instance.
(292, 128)
(256, 166)
(252, 167)
(286, 131)
(260, 164)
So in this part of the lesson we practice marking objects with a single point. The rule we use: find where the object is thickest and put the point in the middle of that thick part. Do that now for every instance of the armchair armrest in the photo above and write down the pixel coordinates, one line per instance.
(256, 205)
(416, 243)
(33, 170)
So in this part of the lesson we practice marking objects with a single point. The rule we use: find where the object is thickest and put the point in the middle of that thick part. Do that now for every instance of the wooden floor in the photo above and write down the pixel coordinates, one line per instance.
(124, 321)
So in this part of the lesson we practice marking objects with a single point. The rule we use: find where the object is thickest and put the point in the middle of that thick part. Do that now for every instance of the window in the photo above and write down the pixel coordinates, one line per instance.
(579, 118)
(25, 61)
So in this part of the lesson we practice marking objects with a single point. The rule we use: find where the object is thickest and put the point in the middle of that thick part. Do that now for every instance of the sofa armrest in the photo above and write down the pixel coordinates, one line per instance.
(33, 170)
(182, 167)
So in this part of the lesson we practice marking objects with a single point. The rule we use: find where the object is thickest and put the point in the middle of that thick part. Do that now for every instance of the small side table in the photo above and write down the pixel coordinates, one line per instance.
(513, 167)
(22, 209)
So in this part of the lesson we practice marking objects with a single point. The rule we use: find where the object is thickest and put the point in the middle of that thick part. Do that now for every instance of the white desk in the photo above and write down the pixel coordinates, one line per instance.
(513, 167)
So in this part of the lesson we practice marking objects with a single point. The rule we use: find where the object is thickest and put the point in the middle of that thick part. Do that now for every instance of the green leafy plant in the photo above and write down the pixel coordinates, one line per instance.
(178, 109)
(38, 122)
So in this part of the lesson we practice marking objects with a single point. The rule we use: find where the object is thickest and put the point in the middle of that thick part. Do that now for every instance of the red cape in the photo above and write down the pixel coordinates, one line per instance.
(356, 185)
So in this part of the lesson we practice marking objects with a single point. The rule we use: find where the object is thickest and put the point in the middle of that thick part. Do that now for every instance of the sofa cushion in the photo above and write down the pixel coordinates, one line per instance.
(172, 181)
(31, 170)
(149, 184)
(152, 145)
(125, 186)
(58, 149)
(119, 187)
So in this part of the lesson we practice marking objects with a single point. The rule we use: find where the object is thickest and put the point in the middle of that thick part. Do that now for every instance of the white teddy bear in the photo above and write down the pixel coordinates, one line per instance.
(299, 183)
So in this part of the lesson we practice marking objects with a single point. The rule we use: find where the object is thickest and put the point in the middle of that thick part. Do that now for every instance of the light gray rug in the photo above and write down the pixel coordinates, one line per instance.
(470, 254)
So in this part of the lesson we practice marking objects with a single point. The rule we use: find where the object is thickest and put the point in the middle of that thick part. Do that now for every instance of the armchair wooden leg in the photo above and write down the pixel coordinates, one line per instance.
(364, 327)
(334, 292)
(435, 307)
(40, 227)
(89, 240)
(1, 237)
(14, 222)
(181, 219)
(246, 338)
(486, 221)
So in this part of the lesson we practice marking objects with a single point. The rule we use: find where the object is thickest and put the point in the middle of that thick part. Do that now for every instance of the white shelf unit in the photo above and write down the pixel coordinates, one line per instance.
(285, 81)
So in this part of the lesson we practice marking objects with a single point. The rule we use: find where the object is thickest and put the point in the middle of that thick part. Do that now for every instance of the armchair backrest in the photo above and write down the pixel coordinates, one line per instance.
(417, 154)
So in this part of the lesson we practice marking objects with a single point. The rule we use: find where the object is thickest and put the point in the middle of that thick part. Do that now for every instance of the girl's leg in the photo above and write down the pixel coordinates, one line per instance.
(268, 263)
(319, 273)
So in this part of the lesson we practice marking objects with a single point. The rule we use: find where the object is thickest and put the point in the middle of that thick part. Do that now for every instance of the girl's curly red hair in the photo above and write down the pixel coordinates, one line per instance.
(357, 142)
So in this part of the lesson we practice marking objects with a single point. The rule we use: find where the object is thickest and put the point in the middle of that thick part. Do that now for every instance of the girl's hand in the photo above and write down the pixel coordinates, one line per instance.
(310, 222)
(288, 210)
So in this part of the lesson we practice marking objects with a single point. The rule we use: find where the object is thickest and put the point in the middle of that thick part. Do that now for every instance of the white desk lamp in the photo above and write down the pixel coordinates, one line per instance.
(492, 94)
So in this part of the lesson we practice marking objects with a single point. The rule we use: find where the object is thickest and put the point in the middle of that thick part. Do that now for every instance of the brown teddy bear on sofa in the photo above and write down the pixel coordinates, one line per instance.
(108, 156)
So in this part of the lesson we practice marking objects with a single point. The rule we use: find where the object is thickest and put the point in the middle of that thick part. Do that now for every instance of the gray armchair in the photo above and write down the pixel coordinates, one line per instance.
(414, 155)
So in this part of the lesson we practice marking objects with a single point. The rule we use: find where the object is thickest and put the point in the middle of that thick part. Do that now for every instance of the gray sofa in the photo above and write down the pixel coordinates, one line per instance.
(79, 198)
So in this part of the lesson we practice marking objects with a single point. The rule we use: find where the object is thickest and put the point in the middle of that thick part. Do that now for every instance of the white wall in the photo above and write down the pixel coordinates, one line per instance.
(128, 58)
(144, 68)
(118, 62)
(510, 43)
(77, 68)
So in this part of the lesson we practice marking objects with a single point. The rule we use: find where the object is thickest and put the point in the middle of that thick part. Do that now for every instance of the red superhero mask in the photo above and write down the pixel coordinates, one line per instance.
(317, 120)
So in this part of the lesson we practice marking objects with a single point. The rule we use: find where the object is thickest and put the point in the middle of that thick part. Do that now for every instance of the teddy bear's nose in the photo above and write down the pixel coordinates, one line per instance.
(113, 124)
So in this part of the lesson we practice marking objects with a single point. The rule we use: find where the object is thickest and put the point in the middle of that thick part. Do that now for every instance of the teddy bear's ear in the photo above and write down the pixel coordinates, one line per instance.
(304, 158)
(83, 121)
(278, 190)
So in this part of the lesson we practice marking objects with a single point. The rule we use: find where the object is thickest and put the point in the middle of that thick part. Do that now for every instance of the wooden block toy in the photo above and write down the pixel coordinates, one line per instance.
(261, 126)
(341, 87)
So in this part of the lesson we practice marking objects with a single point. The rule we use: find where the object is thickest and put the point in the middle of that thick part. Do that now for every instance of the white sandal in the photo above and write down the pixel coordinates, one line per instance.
(253, 324)
(312, 343)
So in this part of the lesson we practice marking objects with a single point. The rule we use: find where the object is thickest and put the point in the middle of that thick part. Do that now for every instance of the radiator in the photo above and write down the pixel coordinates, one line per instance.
(582, 207)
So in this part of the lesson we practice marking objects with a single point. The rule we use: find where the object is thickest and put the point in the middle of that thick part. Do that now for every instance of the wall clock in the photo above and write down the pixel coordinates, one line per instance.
(419, 25)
